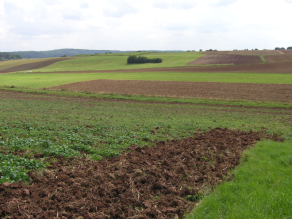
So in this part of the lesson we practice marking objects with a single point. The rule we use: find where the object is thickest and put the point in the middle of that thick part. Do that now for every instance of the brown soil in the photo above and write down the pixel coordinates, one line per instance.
(163, 181)
(279, 58)
(34, 65)
(247, 52)
(212, 90)
(227, 59)
(287, 51)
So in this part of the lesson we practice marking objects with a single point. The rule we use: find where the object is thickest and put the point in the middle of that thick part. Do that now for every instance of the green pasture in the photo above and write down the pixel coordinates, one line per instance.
(12, 63)
(43, 80)
(119, 61)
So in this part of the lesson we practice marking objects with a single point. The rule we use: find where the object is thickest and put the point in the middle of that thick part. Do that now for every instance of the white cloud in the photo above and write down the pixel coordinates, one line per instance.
(183, 4)
(152, 24)
(225, 2)
(84, 5)
(118, 9)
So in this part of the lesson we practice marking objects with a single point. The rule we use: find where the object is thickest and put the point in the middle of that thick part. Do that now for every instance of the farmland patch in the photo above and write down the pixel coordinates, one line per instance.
(33, 65)
(163, 181)
(244, 91)
(226, 59)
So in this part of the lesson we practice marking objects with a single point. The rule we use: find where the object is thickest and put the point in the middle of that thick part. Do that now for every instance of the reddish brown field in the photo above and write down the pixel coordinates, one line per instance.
(34, 65)
(247, 52)
(287, 51)
(227, 59)
(212, 90)
(279, 58)
(126, 186)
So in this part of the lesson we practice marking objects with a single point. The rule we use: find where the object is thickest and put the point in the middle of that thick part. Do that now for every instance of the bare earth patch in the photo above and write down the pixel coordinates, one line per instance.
(34, 65)
(279, 58)
(164, 181)
(247, 52)
(227, 59)
(212, 90)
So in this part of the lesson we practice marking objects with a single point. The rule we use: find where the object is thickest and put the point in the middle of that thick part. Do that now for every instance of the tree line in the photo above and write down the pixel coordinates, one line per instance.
(8, 56)
(283, 48)
(140, 59)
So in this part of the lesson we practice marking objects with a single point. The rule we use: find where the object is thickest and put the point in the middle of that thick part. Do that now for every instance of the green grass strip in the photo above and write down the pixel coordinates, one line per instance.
(156, 98)
(261, 188)
(42, 80)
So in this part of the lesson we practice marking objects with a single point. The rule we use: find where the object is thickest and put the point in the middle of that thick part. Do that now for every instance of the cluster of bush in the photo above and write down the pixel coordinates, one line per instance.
(283, 48)
(140, 59)
(9, 56)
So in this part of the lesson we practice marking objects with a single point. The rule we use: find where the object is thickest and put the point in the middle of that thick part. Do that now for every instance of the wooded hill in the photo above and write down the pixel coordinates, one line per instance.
(8, 56)
(68, 52)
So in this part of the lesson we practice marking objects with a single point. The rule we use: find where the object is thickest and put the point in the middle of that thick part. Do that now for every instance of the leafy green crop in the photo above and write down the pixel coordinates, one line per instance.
(14, 169)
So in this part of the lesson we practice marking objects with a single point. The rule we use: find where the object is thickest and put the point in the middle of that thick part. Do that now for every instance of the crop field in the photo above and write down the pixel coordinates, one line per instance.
(32, 65)
(235, 91)
(226, 59)
(13, 63)
(119, 61)
(137, 143)
(44, 80)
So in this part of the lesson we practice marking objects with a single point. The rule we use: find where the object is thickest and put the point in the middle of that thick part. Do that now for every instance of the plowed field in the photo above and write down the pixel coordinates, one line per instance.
(34, 65)
(279, 58)
(163, 181)
(243, 91)
(247, 52)
(226, 59)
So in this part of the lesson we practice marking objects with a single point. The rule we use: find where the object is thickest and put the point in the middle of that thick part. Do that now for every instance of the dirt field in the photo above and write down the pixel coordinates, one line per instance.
(34, 65)
(279, 58)
(247, 52)
(126, 186)
(227, 59)
(287, 51)
(212, 90)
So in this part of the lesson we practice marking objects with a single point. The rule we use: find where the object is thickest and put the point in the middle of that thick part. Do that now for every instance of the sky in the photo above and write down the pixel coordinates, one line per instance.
(144, 24)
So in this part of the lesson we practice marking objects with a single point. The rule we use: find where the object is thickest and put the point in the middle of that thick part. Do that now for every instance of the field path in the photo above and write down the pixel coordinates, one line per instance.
(212, 90)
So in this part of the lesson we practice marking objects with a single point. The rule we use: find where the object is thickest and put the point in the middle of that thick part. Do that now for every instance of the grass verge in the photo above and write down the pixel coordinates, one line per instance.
(261, 186)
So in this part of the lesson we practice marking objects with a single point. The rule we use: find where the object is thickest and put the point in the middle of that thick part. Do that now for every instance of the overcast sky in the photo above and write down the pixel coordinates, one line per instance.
(145, 24)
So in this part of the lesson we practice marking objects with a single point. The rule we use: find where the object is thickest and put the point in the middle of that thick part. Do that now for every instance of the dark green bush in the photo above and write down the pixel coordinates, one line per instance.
(140, 59)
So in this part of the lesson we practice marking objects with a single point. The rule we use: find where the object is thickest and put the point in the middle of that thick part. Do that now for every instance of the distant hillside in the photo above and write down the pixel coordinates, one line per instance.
(67, 52)
(8, 56)
(60, 52)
